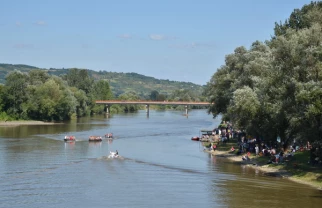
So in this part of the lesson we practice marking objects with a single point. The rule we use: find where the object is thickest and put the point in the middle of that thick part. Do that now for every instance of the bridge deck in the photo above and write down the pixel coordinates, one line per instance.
(145, 102)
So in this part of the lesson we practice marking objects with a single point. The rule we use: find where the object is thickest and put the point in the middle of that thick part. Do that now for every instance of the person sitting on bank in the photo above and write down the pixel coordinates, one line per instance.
(281, 154)
(245, 157)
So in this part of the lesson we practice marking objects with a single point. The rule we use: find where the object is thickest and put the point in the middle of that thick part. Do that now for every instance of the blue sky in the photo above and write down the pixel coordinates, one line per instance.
(179, 40)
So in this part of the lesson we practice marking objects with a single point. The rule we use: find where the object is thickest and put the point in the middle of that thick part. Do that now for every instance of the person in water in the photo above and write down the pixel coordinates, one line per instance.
(116, 152)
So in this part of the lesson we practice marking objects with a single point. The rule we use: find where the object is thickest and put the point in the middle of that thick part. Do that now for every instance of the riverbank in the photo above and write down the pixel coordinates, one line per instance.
(18, 123)
(293, 169)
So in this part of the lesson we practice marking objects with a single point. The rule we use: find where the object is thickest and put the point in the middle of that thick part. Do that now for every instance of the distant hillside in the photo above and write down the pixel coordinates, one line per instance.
(120, 82)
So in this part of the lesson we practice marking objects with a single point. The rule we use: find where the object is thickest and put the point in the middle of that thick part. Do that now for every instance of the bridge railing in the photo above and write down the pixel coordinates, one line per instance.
(149, 102)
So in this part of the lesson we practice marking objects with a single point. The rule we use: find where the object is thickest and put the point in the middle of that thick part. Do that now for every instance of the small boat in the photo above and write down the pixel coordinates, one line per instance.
(109, 135)
(95, 139)
(195, 138)
(69, 139)
(113, 155)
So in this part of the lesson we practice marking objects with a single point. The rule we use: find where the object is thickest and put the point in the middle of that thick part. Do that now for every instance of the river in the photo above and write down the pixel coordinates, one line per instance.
(160, 167)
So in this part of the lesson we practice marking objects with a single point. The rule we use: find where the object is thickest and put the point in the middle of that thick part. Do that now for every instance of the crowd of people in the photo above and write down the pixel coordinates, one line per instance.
(247, 145)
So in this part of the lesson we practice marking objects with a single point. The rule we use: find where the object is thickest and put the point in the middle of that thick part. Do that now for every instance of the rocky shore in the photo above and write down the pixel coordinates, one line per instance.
(271, 170)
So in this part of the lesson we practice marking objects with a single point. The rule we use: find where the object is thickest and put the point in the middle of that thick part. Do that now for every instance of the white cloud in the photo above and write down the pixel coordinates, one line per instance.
(157, 37)
(125, 36)
(18, 24)
(85, 46)
(194, 45)
(23, 46)
(161, 37)
(41, 23)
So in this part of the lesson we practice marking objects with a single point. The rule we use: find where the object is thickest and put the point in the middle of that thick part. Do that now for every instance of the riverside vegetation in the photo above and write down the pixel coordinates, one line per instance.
(273, 90)
(30, 93)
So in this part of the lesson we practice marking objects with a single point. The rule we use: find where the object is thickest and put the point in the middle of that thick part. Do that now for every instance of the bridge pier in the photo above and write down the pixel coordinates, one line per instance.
(147, 106)
(107, 109)
(186, 110)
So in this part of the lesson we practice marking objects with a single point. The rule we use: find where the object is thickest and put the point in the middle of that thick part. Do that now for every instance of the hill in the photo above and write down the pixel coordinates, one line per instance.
(119, 82)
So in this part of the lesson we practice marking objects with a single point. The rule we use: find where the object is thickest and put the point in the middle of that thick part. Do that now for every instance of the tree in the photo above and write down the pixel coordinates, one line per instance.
(37, 77)
(129, 96)
(154, 95)
(301, 18)
(82, 109)
(15, 93)
(274, 89)
(51, 101)
(80, 79)
(244, 106)
(100, 91)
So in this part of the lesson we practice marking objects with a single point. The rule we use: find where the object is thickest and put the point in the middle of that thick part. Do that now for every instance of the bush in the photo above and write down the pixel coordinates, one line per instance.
(5, 117)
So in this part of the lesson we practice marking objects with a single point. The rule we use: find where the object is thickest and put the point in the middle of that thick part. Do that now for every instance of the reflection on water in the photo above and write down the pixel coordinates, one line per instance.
(159, 167)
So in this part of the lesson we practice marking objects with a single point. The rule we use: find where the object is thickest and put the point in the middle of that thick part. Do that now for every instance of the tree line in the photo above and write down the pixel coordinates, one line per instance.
(275, 88)
(37, 95)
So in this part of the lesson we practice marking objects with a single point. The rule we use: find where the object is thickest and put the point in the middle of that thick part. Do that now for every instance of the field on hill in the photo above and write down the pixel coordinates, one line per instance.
(119, 82)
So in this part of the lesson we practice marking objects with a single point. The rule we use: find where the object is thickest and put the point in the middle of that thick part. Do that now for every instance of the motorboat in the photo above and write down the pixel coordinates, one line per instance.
(109, 135)
(69, 139)
(195, 138)
(113, 154)
(95, 139)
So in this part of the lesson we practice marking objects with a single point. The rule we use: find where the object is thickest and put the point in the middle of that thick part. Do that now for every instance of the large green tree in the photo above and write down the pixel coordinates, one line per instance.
(14, 93)
(100, 91)
(80, 79)
(274, 89)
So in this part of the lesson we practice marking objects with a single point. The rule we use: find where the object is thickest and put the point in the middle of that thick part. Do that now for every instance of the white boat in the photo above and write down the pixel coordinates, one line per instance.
(113, 155)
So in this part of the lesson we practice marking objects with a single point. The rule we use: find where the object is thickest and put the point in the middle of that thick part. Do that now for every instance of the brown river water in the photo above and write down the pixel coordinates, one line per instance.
(159, 167)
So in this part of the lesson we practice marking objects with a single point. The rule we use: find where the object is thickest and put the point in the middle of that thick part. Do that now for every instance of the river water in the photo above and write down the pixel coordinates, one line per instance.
(160, 167)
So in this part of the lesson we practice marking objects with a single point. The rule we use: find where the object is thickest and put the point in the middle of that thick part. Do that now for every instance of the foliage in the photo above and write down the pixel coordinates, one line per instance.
(143, 85)
(120, 83)
(130, 96)
(86, 86)
(80, 79)
(154, 95)
(39, 96)
(274, 88)
(14, 93)
(301, 18)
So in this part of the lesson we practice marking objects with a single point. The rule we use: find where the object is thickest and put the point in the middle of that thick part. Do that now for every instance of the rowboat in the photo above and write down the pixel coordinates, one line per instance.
(195, 138)
(109, 135)
(95, 139)
(69, 138)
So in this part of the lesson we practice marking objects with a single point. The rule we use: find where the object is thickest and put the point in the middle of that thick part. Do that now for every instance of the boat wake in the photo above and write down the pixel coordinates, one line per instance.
(181, 169)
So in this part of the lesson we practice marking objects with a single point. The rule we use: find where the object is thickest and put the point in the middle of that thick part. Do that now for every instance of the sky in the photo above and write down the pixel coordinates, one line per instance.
(178, 40)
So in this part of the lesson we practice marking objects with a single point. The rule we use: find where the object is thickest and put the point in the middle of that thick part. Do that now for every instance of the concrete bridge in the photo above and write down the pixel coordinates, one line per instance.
(147, 103)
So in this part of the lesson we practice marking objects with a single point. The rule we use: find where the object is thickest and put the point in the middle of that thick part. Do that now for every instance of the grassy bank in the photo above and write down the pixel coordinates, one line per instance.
(295, 168)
